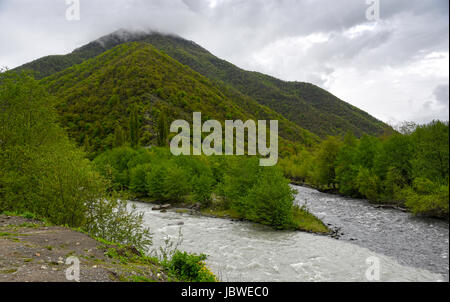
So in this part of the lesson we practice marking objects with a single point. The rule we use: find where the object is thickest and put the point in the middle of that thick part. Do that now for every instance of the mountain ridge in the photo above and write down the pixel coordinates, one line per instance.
(96, 95)
(305, 104)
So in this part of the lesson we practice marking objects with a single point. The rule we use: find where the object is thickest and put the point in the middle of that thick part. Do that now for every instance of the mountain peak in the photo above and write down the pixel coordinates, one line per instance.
(125, 35)
(306, 105)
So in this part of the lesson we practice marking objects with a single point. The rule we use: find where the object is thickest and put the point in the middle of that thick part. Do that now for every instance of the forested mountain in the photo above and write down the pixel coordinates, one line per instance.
(97, 98)
(307, 105)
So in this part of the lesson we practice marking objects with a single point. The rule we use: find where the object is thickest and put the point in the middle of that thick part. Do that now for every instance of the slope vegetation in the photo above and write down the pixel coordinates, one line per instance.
(307, 105)
(98, 94)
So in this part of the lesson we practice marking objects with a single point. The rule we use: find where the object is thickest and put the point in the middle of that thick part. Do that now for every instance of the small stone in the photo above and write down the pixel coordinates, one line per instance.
(77, 243)
(43, 267)
(37, 255)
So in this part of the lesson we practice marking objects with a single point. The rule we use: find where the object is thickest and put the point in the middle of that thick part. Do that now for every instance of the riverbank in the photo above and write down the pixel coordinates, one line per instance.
(411, 240)
(34, 251)
(378, 204)
(302, 219)
(248, 252)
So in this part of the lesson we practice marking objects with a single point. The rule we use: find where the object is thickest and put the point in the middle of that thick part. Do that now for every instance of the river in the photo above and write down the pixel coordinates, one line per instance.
(405, 248)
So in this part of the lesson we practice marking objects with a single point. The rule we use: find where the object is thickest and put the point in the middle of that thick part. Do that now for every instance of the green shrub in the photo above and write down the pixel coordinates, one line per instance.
(155, 181)
(427, 198)
(190, 267)
(368, 184)
(239, 177)
(113, 164)
(203, 186)
(176, 184)
(270, 200)
(138, 175)
(114, 221)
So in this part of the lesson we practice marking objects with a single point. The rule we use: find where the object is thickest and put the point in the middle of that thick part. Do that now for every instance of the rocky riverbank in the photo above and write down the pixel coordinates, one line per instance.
(33, 251)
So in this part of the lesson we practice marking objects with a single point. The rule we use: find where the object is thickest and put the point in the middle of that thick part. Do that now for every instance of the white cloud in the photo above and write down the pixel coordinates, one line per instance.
(389, 68)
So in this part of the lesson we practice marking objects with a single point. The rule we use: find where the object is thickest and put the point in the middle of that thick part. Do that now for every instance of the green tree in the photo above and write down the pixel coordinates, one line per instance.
(176, 184)
(431, 151)
(86, 144)
(346, 169)
(119, 136)
(134, 127)
(163, 129)
(203, 186)
(270, 200)
(114, 100)
(367, 149)
(368, 184)
(326, 161)
(395, 153)
(155, 181)
(138, 182)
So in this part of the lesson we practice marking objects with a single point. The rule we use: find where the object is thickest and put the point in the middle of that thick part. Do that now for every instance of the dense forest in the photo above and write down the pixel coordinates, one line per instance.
(97, 96)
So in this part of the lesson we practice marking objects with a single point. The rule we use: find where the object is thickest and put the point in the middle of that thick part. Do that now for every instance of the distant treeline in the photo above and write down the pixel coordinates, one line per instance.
(409, 169)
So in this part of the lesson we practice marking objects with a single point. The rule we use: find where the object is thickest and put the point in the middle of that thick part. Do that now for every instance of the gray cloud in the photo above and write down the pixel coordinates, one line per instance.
(390, 68)
(441, 93)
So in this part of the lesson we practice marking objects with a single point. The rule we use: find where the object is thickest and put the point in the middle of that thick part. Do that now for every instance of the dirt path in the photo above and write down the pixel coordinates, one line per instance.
(31, 251)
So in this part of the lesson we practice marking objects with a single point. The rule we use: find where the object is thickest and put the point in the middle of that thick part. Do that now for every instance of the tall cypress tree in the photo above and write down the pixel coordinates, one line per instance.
(119, 136)
(86, 144)
(163, 129)
(134, 127)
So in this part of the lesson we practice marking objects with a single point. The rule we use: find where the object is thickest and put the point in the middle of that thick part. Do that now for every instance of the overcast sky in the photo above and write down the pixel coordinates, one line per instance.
(396, 68)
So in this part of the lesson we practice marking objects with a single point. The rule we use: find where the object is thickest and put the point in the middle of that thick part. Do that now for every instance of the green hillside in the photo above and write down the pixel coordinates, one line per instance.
(307, 105)
(99, 94)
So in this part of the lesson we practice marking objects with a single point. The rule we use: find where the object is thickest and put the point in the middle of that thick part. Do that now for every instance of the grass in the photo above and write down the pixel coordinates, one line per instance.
(8, 271)
(4, 234)
(140, 279)
(221, 213)
(303, 220)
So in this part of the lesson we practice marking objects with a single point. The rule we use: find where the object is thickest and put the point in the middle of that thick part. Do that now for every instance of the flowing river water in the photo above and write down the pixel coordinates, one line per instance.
(406, 248)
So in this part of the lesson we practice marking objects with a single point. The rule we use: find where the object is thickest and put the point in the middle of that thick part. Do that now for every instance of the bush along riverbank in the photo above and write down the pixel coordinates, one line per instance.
(223, 186)
(409, 170)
